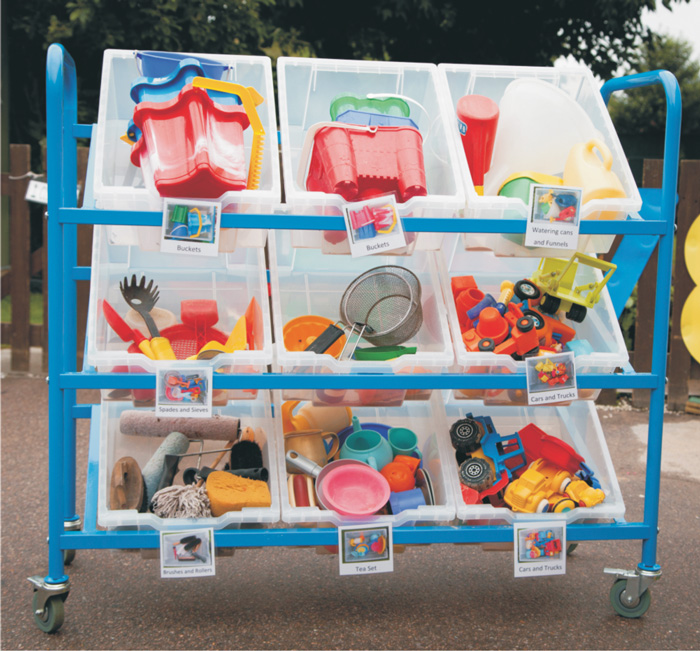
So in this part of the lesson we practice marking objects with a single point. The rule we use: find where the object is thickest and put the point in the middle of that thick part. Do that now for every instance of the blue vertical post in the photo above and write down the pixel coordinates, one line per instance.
(61, 114)
(663, 293)
(69, 342)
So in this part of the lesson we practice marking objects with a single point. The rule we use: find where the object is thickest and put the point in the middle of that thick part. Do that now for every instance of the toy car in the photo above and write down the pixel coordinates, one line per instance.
(487, 459)
(552, 284)
(545, 487)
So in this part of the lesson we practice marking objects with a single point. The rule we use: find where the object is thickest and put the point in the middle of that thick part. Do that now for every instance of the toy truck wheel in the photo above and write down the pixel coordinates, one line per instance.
(486, 345)
(564, 505)
(542, 507)
(622, 606)
(536, 317)
(525, 323)
(476, 473)
(550, 304)
(577, 313)
(466, 434)
(526, 290)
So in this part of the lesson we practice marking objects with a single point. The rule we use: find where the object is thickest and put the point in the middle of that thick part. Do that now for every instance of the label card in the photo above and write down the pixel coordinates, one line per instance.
(540, 548)
(374, 226)
(184, 554)
(551, 378)
(37, 191)
(190, 227)
(554, 217)
(184, 392)
(366, 549)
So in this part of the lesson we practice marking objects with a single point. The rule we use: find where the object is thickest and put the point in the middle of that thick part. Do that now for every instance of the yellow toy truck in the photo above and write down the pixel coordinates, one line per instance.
(553, 284)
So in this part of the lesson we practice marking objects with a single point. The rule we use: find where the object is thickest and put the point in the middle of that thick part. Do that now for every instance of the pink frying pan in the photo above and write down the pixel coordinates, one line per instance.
(346, 486)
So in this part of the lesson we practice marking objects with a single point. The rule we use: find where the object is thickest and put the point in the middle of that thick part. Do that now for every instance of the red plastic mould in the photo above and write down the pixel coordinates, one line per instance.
(194, 146)
(360, 165)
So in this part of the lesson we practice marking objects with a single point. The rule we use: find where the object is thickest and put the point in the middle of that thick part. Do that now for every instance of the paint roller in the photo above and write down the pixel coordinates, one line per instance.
(175, 443)
(145, 423)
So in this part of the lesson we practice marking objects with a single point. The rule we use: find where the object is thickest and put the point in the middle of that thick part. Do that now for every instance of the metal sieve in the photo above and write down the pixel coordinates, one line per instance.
(383, 305)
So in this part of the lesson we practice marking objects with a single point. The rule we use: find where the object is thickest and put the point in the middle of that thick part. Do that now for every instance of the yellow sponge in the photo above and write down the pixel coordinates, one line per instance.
(229, 492)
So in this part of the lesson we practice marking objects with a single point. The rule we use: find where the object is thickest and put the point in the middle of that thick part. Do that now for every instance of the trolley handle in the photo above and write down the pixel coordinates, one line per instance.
(672, 137)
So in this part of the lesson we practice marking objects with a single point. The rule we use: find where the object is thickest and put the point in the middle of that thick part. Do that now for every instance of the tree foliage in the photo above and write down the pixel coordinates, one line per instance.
(534, 32)
(643, 112)
(601, 33)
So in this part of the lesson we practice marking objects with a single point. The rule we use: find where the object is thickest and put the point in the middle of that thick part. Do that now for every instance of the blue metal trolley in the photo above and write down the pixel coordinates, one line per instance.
(69, 532)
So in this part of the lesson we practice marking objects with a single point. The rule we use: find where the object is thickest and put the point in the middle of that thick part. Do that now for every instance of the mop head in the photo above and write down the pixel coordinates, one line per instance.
(181, 502)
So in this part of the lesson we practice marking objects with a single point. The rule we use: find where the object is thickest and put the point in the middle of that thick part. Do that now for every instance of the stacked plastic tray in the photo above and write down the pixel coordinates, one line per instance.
(120, 185)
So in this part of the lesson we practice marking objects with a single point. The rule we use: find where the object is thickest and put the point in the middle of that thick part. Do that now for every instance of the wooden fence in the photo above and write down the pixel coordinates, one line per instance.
(20, 334)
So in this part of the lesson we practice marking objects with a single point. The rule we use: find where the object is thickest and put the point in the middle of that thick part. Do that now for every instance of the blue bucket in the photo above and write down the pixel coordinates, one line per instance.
(162, 64)
(162, 89)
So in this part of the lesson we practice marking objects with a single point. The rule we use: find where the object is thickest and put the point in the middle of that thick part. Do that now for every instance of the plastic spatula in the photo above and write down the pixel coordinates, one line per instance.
(125, 332)
(237, 340)
(254, 325)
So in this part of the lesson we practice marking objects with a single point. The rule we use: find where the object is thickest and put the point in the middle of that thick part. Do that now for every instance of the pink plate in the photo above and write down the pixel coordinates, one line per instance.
(355, 489)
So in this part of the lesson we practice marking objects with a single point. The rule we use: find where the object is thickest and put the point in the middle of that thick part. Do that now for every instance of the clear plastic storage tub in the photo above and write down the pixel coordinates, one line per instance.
(426, 420)
(119, 185)
(600, 327)
(224, 287)
(577, 425)
(308, 282)
(308, 87)
(114, 445)
(544, 112)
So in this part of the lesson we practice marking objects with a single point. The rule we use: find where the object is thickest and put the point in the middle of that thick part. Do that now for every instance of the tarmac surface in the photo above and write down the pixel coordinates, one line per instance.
(438, 597)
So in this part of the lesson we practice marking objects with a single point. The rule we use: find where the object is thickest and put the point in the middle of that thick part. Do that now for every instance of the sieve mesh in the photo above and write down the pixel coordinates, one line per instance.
(387, 301)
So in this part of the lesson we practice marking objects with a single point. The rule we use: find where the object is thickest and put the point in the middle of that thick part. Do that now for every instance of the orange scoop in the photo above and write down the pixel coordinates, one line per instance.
(301, 332)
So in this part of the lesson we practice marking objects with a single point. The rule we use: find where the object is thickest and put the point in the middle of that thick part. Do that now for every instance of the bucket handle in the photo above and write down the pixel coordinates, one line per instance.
(250, 98)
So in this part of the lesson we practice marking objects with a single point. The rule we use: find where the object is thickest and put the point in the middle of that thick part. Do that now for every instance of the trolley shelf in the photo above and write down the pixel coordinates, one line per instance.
(360, 381)
(314, 222)
(90, 537)
(657, 219)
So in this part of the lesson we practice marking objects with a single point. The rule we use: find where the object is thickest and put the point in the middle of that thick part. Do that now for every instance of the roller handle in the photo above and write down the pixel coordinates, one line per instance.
(218, 459)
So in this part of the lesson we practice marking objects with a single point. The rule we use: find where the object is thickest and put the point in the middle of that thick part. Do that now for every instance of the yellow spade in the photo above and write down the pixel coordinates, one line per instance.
(237, 340)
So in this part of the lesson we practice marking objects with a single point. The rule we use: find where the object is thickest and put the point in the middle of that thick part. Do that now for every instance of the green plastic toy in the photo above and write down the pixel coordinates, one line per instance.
(387, 106)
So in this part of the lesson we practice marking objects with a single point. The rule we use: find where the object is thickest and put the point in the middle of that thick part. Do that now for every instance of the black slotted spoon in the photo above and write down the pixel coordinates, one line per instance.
(143, 298)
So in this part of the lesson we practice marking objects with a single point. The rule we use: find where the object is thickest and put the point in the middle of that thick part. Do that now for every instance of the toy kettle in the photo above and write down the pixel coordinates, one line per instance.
(586, 169)
(309, 417)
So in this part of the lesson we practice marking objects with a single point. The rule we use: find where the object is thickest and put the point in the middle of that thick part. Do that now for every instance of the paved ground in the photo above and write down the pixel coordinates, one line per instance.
(442, 596)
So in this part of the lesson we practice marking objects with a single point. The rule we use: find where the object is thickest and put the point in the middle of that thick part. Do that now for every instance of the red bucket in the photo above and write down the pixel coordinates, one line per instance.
(361, 164)
(191, 146)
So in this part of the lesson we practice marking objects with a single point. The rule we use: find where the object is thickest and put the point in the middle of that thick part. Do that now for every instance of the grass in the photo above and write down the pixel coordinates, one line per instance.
(36, 309)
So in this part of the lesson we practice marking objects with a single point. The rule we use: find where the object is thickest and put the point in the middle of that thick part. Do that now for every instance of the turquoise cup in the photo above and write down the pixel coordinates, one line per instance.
(404, 441)
(367, 446)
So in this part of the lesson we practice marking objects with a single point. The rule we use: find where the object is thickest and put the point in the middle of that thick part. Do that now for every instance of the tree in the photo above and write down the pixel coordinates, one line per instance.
(87, 27)
(602, 33)
(518, 32)
(643, 111)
